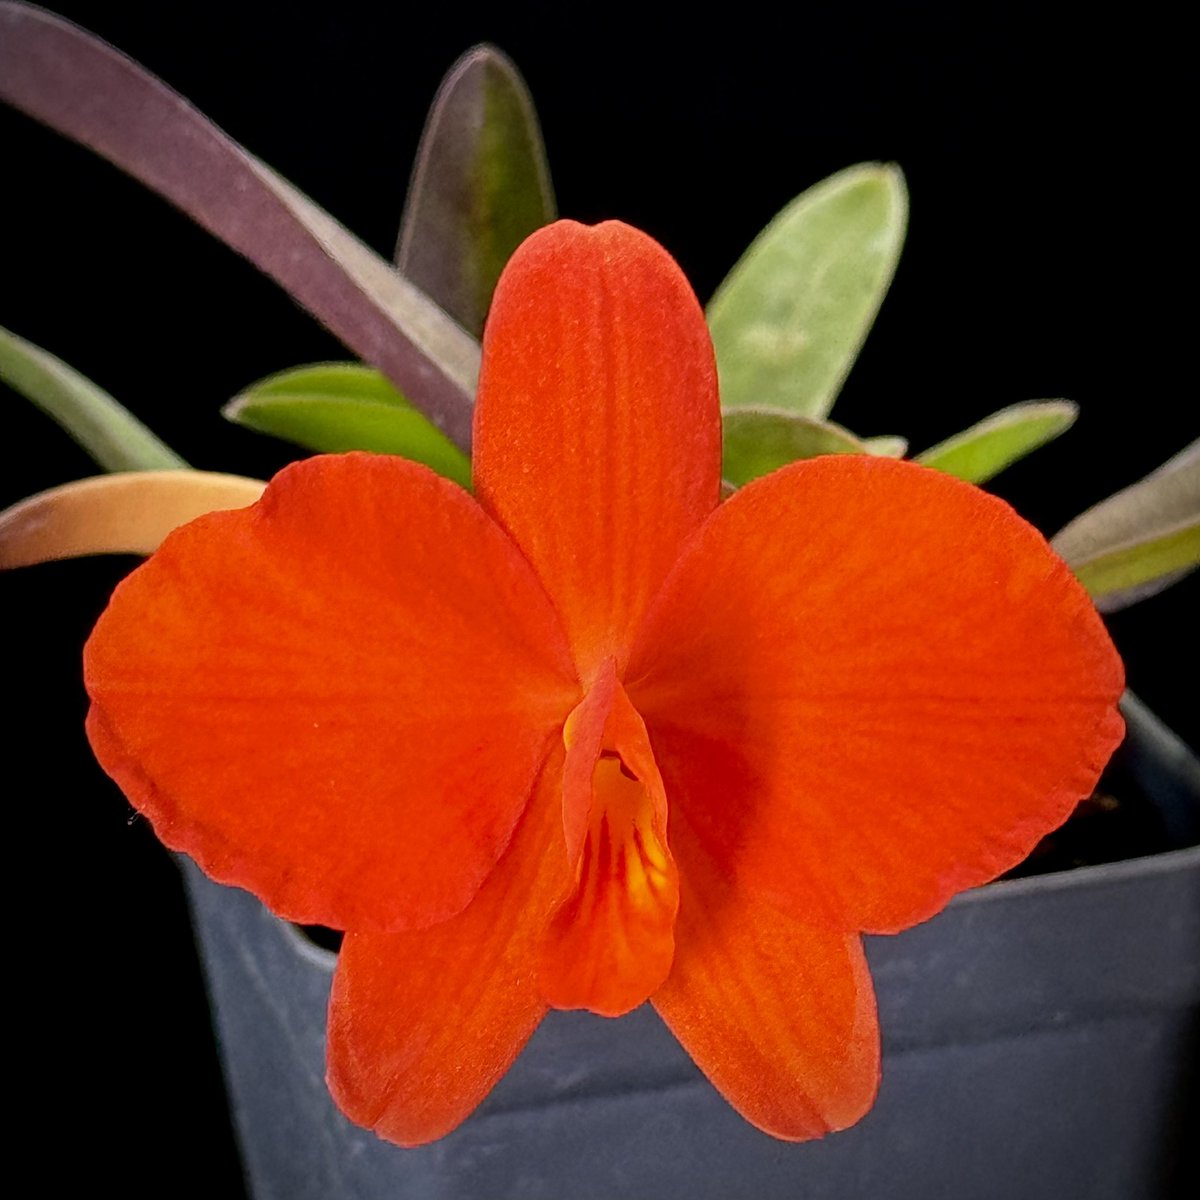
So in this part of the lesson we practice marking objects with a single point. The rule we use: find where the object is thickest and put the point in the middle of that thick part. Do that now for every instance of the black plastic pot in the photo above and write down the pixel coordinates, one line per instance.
(1040, 1041)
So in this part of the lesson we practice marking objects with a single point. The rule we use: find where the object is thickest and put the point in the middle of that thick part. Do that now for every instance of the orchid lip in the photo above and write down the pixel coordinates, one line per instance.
(610, 942)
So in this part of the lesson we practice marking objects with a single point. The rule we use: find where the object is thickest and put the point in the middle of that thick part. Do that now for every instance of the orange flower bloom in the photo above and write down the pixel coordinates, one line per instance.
(589, 738)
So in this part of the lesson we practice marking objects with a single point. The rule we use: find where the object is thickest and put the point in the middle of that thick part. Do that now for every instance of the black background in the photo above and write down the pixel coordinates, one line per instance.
(1050, 249)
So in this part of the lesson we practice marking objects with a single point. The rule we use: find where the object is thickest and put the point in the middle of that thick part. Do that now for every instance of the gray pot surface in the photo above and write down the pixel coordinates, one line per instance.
(1040, 1041)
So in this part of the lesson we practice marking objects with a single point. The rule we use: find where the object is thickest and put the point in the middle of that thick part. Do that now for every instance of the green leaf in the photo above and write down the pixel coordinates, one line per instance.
(887, 445)
(108, 431)
(759, 440)
(1141, 540)
(480, 187)
(83, 88)
(997, 441)
(335, 407)
(790, 318)
(127, 513)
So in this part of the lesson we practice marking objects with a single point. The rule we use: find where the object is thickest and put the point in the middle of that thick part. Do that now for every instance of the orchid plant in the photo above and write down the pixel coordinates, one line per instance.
(594, 666)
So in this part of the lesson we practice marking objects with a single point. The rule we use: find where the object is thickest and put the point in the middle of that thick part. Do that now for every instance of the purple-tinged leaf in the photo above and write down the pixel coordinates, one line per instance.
(83, 88)
(1140, 540)
(480, 187)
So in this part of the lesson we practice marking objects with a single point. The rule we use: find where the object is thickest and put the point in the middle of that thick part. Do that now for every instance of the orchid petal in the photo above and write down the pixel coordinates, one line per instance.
(423, 1024)
(778, 1014)
(871, 686)
(329, 702)
(597, 431)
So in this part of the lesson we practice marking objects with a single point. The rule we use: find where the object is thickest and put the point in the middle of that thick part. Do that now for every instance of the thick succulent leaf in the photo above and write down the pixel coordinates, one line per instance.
(129, 513)
(1000, 440)
(480, 187)
(85, 89)
(1141, 540)
(108, 431)
(336, 407)
(759, 440)
(789, 319)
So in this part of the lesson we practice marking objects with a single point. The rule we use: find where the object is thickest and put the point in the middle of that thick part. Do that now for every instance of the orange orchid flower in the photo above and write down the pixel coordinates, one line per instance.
(590, 738)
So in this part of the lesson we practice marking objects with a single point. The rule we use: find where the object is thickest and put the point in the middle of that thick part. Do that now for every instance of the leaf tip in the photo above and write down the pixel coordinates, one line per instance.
(482, 55)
